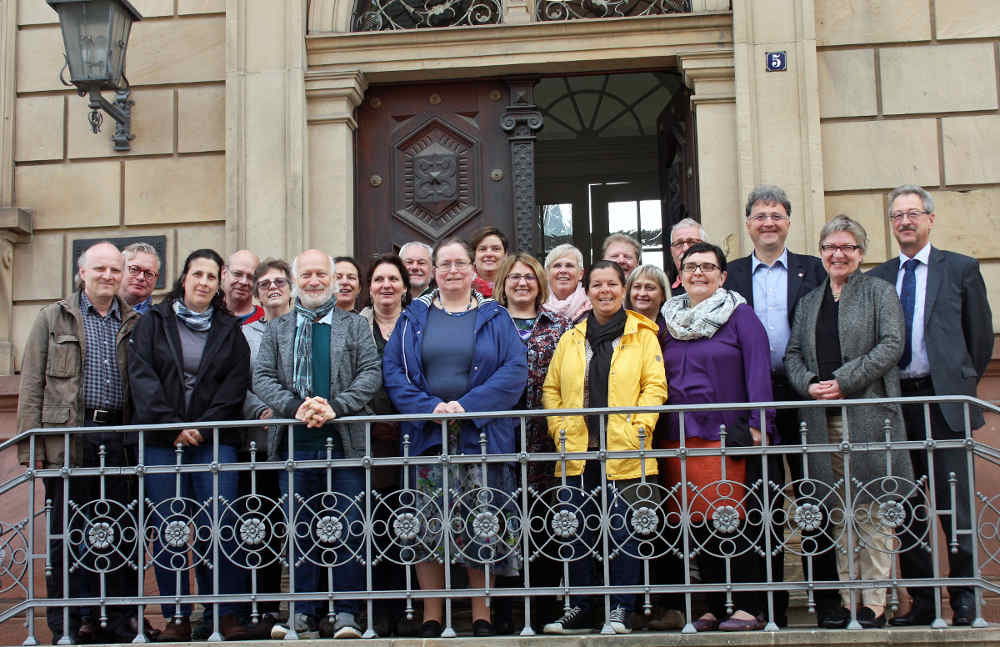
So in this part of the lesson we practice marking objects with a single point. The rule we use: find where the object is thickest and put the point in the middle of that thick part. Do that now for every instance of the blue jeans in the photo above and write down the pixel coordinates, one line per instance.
(327, 530)
(624, 568)
(173, 521)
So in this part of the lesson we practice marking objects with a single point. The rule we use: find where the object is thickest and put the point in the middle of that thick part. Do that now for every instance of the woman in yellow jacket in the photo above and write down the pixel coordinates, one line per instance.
(612, 359)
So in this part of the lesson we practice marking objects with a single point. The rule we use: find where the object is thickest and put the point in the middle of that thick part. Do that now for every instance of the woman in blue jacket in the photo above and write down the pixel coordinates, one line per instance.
(455, 351)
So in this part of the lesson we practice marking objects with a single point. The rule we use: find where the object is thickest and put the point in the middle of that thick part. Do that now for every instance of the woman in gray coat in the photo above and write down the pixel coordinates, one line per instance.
(846, 342)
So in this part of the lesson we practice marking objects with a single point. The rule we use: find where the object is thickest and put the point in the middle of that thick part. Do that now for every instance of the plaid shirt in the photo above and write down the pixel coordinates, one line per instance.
(102, 383)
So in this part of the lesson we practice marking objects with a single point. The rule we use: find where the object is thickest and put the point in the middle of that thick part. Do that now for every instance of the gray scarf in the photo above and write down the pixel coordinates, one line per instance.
(197, 321)
(703, 320)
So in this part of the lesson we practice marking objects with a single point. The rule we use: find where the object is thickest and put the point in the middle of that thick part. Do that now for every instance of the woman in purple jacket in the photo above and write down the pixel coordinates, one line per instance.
(716, 351)
(455, 351)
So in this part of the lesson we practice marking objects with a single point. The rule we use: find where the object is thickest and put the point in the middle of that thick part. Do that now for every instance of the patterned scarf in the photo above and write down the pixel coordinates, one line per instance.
(304, 319)
(703, 320)
(196, 321)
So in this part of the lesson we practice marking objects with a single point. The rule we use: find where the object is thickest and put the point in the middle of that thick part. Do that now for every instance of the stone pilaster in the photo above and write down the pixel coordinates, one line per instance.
(779, 140)
(265, 126)
(711, 77)
(8, 96)
(331, 98)
(15, 227)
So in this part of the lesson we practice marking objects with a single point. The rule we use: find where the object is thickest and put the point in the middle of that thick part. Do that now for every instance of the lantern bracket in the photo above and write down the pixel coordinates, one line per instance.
(120, 111)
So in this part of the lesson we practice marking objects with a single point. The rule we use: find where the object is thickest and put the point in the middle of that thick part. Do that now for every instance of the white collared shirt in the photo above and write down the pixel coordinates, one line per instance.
(920, 365)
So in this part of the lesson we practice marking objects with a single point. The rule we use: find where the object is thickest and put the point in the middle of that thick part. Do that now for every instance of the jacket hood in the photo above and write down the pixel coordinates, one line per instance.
(417, 311)
(634, 322)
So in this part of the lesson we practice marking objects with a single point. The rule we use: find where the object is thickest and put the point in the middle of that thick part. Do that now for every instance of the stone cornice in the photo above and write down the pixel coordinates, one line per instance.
(590, 45)
(712, 75)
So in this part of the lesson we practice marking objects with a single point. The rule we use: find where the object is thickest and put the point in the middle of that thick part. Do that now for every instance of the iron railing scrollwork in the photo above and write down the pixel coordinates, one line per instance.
(489, 525)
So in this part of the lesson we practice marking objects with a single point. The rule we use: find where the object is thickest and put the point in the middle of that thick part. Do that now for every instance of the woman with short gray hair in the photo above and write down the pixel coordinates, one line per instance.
(567, 298)
(846, 342)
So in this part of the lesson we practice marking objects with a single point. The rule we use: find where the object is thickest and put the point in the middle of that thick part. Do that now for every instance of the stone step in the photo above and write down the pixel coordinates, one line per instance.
(908, 637)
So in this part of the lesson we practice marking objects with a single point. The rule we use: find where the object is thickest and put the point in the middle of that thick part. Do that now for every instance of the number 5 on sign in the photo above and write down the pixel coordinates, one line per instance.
(776, 61)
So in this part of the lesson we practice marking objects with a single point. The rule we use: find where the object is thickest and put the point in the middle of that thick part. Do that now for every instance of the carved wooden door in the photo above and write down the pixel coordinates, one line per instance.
(433, 162)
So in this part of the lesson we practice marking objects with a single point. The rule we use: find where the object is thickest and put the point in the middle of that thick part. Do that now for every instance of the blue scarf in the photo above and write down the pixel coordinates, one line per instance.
(302, 368)
(197, 321)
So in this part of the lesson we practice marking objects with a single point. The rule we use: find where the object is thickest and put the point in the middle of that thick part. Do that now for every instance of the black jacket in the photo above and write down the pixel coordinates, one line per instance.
(804, 274)
(156, 374)
(958, 329)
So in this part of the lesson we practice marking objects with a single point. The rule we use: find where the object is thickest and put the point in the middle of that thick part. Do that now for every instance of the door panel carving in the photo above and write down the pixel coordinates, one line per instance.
(442, 161)
(435, 181)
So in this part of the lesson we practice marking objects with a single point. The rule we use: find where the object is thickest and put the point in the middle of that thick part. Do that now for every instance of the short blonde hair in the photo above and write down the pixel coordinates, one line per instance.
(650, 271)
(508, 264)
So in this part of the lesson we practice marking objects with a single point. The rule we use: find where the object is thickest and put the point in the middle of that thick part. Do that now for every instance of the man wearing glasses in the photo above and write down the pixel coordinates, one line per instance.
(142, 267)
(237, 286)
(949, 340)
(685, 233)
(772, 280)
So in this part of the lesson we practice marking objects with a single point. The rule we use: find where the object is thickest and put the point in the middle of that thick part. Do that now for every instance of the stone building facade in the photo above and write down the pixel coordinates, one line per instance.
(250, 126)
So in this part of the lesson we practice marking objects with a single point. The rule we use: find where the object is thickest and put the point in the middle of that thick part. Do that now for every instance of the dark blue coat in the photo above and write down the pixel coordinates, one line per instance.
(497, 377)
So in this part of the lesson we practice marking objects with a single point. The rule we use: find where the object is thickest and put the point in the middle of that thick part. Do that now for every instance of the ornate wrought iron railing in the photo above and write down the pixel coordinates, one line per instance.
(535, 519)
(392, 15)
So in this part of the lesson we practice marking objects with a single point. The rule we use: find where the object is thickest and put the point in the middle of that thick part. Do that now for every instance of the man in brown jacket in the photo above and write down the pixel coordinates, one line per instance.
(73, 373)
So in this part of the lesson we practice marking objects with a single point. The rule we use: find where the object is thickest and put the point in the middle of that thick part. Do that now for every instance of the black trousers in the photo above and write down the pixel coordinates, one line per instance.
(268, 577)
(916, 562)
(87, 524)
(816, 544)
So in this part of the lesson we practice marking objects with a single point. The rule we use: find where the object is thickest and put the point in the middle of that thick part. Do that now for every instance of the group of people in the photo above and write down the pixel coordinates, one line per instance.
(476, 327)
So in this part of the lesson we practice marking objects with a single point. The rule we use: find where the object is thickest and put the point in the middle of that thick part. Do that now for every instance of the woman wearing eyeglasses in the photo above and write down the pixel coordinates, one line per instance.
(846, 342)
(453, 351)
(522, 288)
(716, 350)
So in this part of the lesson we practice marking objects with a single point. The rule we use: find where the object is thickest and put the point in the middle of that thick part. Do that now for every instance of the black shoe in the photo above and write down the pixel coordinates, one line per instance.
(201, 631)
(431, 629)
(833, 617)
(919, 614)
(964, 613)
(867, 619)
(407, 628)
(482, 628)
(90, 632)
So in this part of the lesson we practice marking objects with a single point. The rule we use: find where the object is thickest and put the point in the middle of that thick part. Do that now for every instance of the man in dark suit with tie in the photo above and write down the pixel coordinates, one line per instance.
(772, 279)
(949, 341)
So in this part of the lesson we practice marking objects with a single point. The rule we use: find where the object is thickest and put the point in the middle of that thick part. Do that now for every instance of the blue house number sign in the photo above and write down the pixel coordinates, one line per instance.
(776, 61)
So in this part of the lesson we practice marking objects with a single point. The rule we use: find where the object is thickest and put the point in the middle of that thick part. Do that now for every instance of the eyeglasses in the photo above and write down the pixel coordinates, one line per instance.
(912, 215)
(773, 217)
(135, 270)
(517, 278)
(681, 242)
(447, 266)
(828, 248)
(278, 283)
(704, 268)
(241, 276)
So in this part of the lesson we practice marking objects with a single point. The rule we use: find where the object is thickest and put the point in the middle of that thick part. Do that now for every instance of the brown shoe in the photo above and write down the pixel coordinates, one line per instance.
(177, 630)
(231, 628)
(667, 620)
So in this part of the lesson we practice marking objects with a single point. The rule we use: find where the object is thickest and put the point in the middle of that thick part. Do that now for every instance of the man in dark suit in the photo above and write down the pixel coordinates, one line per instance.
(949, 329)
(772, 280)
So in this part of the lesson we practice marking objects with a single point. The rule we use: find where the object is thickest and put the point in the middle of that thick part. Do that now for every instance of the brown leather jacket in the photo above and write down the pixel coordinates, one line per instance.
(51, 392)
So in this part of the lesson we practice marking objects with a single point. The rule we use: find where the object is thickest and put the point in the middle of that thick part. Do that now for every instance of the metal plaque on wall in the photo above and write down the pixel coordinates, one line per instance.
(159, 243)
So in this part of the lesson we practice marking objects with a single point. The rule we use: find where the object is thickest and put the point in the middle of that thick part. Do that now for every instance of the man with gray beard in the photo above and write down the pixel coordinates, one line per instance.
(316, 364)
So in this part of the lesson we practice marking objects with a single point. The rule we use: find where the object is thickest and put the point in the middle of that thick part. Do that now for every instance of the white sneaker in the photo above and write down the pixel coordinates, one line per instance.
(620, 621)
(573, 621)
(345, 626)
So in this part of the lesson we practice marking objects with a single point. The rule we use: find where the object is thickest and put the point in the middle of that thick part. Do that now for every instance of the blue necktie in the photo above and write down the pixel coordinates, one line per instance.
(908, 297)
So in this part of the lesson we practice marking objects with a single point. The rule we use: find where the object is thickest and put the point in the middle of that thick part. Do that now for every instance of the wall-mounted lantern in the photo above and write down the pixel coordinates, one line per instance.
(95, 35)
